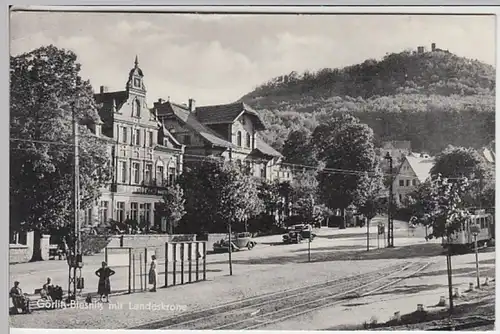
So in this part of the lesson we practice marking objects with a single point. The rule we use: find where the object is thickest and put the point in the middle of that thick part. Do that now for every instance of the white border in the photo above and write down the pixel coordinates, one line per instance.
(229, 9)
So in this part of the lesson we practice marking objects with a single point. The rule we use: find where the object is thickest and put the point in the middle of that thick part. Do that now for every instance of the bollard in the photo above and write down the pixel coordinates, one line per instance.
(486, 282)
(471, 286)
(442, 301)
(420, 307)
(456, 294)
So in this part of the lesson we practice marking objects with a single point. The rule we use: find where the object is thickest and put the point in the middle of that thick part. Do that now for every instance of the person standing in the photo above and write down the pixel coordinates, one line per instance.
(153, 273)
(104, 287)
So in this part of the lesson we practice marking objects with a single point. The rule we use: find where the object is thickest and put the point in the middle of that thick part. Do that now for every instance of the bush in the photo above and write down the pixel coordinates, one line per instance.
(93, 244)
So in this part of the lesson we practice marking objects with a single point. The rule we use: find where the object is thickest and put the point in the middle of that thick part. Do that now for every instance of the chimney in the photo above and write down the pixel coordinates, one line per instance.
(433, 46)
(104, 89)
(192, 105)
(420, 50)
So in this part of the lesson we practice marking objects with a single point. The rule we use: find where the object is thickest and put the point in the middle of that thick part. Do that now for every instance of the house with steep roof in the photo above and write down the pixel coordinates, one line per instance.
(413, 171)
(229, 132)
(144, 155)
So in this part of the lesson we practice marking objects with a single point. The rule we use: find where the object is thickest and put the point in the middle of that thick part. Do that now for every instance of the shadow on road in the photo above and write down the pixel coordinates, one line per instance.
(410, 289)
(403, 252)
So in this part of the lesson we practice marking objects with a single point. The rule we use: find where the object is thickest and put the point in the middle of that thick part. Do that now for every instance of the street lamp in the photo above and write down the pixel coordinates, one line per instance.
(475, 231)
(390, 225)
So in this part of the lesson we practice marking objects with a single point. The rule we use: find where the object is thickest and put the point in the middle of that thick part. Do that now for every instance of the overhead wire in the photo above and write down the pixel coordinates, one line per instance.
(211, 159)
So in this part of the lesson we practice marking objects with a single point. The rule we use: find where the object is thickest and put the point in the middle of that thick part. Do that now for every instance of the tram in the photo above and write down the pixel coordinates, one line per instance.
(463, 239)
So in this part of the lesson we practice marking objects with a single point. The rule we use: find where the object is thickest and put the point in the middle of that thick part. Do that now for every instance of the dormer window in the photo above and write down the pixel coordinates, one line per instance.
(137, 82)
(249, 140)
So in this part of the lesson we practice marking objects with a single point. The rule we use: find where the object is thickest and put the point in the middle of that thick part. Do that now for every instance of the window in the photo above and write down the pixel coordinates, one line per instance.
(123, 171)
(187, 140)
(249, 140)
(147, 213)
(133, 211)
(135, 172)
(238, 138)
(87, 217)
(159, 175)
(147, 173)
(263, 171)
(171, 176)
(407, 183)
(137, 82)
(137, 105)
(138, 137)
(103, 212)
(150, 139)
(124, 135)
(120, 211)
(401, 183)
(141, 213)
(414, 182)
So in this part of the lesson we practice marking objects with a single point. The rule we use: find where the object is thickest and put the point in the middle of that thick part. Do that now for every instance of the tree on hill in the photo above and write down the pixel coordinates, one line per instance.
(345, 146)
(45, 87)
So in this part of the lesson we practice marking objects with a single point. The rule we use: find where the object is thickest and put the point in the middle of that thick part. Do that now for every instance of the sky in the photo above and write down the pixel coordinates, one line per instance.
(217, 59)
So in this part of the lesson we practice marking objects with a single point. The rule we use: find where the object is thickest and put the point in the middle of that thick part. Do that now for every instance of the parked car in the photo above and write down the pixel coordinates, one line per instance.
(297, 233)
(239, 241)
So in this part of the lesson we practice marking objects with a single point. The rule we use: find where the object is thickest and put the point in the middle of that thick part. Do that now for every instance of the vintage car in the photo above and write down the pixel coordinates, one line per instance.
(239, 241)
(297, 233)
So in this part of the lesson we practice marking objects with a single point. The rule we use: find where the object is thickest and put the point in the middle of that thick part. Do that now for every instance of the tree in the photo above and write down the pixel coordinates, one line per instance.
(304, 196)
(172, 206)
(444, 211)
(370, 201)
(217, 193)
(45, 88)
(297, 148)
(346, 147)
(458, 162)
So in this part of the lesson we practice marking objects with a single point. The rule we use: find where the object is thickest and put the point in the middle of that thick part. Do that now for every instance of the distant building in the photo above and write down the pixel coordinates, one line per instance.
(396, 149)
(413, 171)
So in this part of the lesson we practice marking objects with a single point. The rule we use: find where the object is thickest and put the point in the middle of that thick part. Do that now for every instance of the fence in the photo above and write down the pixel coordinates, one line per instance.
(185, 262)
(179, 262)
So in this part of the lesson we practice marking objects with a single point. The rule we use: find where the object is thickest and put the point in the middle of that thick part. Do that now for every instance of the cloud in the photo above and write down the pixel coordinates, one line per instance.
(219, 58)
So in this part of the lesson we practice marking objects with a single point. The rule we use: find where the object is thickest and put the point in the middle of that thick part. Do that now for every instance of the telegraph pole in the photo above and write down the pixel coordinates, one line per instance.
(74, 259)
(390, 221)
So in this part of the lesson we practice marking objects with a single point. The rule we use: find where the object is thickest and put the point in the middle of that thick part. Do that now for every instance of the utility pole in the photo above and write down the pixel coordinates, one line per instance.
(450, 283)
(230, 250)
(75, 260)
(390, 221)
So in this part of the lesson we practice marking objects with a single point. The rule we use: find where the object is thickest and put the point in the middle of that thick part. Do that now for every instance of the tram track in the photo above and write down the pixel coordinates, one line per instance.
(254, 312)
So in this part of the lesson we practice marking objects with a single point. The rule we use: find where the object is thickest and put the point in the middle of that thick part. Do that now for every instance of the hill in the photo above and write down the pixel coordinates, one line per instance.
(432, 99)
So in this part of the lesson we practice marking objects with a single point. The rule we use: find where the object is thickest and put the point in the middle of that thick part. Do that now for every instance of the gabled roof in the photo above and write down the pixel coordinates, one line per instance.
(185, 116)
(488, 154)
(168, 134)
(107, 99)
(226, 113)
(421, 166)
(265, 148)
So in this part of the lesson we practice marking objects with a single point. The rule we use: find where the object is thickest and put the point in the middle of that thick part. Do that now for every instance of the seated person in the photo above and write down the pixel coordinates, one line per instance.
(47, 288)
(19, 299)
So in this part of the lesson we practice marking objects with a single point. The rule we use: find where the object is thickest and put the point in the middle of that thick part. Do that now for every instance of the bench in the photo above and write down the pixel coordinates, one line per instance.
(54, 252)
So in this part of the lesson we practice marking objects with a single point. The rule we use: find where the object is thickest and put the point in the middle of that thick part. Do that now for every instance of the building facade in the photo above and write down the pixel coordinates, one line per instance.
(144, 156)
(229, 132)
(413, 171)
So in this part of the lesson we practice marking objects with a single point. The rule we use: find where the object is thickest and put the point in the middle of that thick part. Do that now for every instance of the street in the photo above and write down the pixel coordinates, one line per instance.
(268, 269)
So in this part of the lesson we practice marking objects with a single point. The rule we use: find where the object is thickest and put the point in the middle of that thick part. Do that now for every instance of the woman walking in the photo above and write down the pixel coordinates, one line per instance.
(153, 273)
(104, 288)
